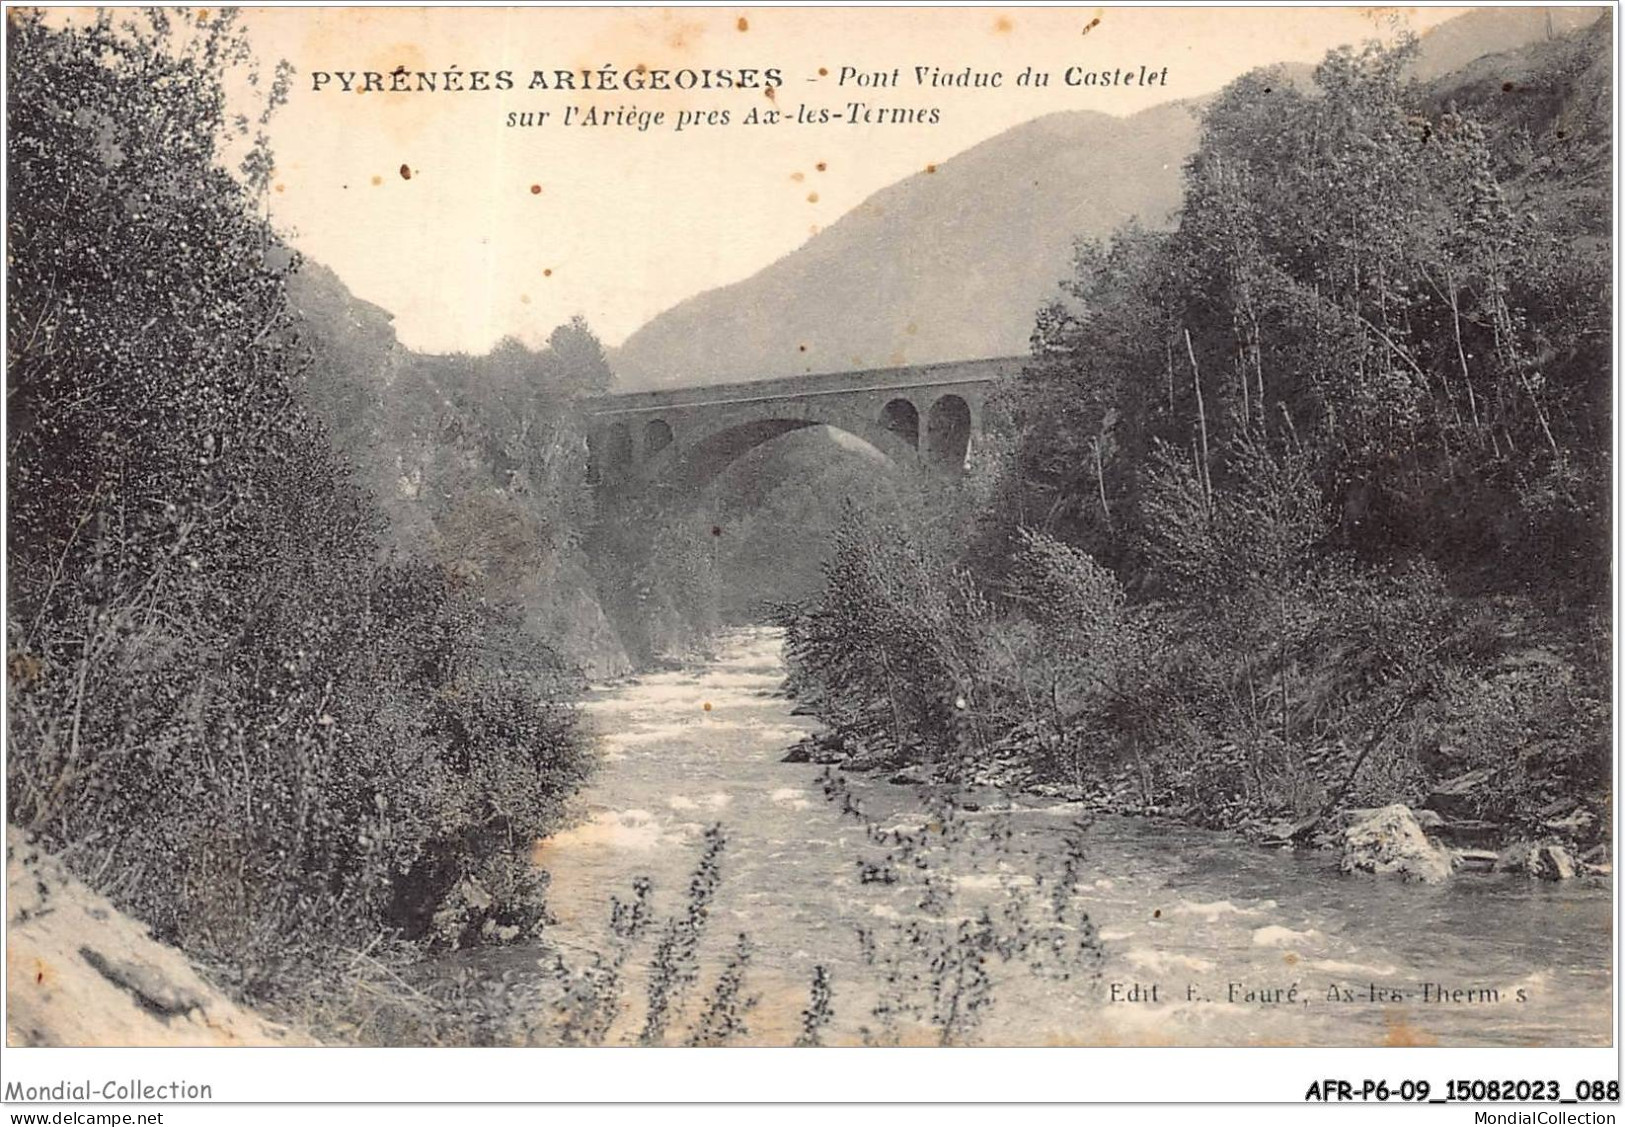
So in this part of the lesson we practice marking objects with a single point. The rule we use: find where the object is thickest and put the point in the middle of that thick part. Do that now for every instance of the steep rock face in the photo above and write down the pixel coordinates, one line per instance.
(80, 972)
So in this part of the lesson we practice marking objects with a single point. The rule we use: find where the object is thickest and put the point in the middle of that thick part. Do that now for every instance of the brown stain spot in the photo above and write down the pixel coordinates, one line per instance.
(679, 39)
(1402, 1033)
(548, 273)
(812, 197)
(406, 172)
(716, 530)
(524, 299)
(377, 180)
(44, 973)
(202, 16)
(801, 348)
(1290, 958)
(772, 94)
(1091, 25)
(1003, 26)
(282, 187)
(25, 667)
(930, 168)
(743, 24)
(641, 68)
(535, 189)
(822, 167)
(706, 706)
(797, 177)
(1157, 914)
(823, 72)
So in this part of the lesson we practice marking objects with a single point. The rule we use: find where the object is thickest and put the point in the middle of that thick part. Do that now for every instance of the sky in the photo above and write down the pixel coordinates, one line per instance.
(509, 231)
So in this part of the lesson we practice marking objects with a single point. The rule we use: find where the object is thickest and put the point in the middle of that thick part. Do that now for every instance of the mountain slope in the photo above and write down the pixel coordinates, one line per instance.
(944, 265)
(1485, 31)
(953, 264)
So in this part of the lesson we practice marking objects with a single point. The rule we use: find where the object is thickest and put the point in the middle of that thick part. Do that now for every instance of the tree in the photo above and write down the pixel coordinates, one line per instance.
(221, 706)
(579, 357)
(1084, 410)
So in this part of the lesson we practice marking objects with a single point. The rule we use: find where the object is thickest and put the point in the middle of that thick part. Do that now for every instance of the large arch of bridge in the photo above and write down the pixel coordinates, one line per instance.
(693, 460)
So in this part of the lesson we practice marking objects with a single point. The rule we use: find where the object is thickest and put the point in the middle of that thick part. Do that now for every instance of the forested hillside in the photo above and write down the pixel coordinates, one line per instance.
(478, 463)
(237, 707)
(1302, 504)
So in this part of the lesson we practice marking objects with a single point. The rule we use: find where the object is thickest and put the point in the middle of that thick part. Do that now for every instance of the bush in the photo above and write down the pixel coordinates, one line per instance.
(895, 648)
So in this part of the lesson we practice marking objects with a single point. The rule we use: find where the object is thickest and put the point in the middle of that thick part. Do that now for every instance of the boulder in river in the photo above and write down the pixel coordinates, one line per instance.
(800, 751)
(1390, 840)
(1482, 860)
(1280, 831)
(872, 757)
(917, 774)
(821, 747)
(1542, 860)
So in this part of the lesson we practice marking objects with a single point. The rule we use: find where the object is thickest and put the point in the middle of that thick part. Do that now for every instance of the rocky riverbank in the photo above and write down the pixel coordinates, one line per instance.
(1426, 844)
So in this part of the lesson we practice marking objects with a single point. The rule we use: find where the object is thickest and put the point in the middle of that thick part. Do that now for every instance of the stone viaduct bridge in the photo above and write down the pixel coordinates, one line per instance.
(925, 416)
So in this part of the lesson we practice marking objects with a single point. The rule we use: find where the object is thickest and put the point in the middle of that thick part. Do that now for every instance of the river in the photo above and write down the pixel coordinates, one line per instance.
(1242, 945)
